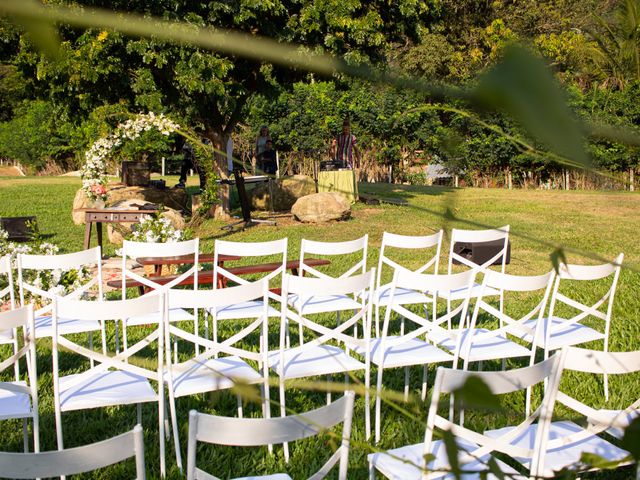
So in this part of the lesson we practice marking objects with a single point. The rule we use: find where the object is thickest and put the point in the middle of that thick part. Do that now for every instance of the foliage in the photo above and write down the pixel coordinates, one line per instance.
(157, 229)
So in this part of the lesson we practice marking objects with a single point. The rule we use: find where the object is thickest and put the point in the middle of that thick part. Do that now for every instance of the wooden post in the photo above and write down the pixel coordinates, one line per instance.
(632, 187)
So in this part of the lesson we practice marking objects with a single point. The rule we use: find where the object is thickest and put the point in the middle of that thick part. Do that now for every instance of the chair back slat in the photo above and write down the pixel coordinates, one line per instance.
(333, 248)
(251, 249)
(76, 460)
(168, 249)
(216, 298)
(307, 286)
(413, 242)
(479, 236)
(18, 317)
(590, 272)
(108, 309)
(598, 362)
(517, 283)
(434, 283)
(63, 261)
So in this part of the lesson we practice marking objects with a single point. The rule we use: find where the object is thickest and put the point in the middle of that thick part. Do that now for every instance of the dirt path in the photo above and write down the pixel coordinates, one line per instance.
(10, 172)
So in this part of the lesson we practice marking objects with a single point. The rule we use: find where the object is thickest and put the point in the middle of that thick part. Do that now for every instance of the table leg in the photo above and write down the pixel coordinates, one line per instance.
(87, 234)
(99, 233)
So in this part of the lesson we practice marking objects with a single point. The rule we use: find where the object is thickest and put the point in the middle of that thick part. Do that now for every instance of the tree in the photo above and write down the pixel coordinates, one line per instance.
(205, 89)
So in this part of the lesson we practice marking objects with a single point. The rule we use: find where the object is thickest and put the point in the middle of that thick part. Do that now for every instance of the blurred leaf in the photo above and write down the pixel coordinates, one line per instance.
(523, 86)
(41, 31)
(592, 460)
(631, 438)
(558, 257)
(476, 394)
(494, 468)
(451, 447)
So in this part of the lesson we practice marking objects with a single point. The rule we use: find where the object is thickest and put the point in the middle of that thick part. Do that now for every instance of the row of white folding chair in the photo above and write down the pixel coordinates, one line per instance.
(19, 398)
(256, 432)
(542, 448)
(77, 460)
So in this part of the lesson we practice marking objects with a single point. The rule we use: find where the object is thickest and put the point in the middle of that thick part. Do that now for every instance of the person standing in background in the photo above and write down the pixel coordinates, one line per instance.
(344, 146)
(261, 144)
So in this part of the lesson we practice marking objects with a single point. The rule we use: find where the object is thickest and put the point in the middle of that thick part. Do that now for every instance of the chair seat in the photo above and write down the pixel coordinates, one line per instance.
(66, 326)
(489, 348)
(413, 352)
(175, 315)
(251, 309)
(14, 404)
(402, 296)
(558, 458)
(275, 476)
(323, 304)
(102, 389)
(616, 431)
(461, 293)
(6, 336)
(306, 361)
(404, 463)
(562, 335)
(193, 377)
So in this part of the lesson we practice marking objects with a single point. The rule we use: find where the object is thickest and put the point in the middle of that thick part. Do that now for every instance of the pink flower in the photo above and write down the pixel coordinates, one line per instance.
(98, 189)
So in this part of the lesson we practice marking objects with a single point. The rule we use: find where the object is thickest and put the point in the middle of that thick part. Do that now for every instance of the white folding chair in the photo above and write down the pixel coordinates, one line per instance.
(478, 236)
(429, 460)
(411, 347)
(76, 460)
(321, 355)
(474, 342)
(7, 297)
(249, 309)
(63, 262)
(406, 296)
(251, 432)
(132, 250)
(321, 302)
(19, 399)
(112, 381)
(203, 373)
(558, 331)
(567, 441)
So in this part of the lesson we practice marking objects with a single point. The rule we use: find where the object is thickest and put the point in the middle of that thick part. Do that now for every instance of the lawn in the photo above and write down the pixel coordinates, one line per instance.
(590, 225)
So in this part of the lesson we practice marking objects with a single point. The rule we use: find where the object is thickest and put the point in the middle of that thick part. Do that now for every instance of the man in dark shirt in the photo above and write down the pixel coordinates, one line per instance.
(267, 163)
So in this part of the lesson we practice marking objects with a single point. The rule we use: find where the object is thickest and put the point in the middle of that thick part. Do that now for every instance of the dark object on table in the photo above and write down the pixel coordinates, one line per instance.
(329, 165)
(159, 184)
(480, 252)
(20, 229)
(136, 174)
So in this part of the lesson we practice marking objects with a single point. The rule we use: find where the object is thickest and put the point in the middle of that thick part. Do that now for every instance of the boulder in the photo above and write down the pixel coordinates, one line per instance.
(285, 192)
(117, 231)
(321, 207)
(174, 198)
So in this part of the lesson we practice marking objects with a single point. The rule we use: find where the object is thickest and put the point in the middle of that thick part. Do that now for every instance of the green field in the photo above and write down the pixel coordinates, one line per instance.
(589, 225)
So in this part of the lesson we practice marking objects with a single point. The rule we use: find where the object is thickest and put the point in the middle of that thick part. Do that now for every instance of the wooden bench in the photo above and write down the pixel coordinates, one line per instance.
(205, 277)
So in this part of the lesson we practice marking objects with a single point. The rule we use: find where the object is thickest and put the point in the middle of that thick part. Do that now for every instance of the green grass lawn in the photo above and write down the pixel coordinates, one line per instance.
(589, 225)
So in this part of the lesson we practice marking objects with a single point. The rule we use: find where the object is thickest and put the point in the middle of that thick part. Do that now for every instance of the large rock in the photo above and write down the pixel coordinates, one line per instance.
(321, 207)
(174, 198)
(117, 231)
(285, 193)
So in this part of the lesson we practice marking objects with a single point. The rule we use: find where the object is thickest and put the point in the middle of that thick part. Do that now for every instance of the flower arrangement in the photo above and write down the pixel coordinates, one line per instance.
(55, 282)
(156, 228)
(94, 170)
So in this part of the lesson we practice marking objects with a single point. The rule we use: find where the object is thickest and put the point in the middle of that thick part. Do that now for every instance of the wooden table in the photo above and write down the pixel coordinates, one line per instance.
(109, 215)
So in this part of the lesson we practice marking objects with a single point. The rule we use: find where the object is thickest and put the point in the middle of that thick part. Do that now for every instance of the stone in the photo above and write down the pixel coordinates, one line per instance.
(285, 193)
(321, 207)
(174, 198)
(117, 231)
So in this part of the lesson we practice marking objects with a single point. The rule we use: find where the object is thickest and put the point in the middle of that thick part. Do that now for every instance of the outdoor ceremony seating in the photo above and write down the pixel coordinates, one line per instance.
(411, 347)
(19, 398)
(113, 381)
(77, 460)
(559, 329)
(320, 303)
(7, 300)
(250, 432)
(475, 449)
(479, 339)
(318, 355)
(567, 441)
(90, 259)
(204, 373)
(405, 296)
(498, 235)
